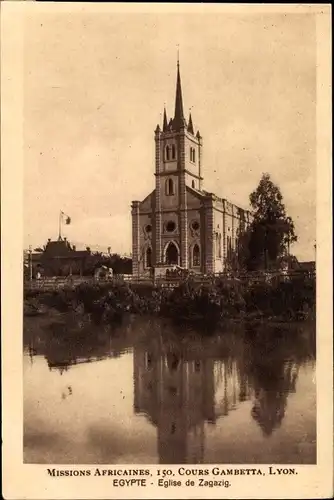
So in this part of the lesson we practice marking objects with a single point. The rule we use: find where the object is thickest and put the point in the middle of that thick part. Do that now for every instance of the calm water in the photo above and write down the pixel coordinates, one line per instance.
(149, 392)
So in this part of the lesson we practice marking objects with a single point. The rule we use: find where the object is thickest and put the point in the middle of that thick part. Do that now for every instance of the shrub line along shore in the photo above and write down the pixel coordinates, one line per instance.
(210, 303)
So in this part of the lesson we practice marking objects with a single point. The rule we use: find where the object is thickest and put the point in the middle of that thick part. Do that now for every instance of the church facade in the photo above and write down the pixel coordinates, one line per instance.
(179, 223)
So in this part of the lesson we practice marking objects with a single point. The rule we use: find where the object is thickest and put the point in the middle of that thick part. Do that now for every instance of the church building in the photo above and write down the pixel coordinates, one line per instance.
(179, 223)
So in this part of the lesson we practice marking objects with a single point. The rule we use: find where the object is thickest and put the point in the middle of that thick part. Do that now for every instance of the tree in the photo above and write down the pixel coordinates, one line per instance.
(289, 261)
(271, 231)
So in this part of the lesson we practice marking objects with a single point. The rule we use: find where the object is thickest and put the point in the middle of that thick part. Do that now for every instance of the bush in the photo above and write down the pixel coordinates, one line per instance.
(210, 302)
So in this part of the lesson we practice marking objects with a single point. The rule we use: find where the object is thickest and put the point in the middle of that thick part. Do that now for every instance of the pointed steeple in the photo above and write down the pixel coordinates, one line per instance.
(165, 123)
(190, 125)
(179, 120)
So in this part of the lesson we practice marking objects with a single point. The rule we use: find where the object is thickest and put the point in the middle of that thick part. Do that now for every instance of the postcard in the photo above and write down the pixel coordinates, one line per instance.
(166, 251)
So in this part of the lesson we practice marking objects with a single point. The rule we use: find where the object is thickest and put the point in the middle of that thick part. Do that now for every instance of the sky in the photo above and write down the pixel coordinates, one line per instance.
(94, 90)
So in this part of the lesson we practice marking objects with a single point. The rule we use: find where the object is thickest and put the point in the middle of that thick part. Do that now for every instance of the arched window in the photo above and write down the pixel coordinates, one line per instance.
(173, 152)
(167, 153)
(218, 246)
(229, 247)
(196, 255)
(192, 155)
(169, 187)
(193, 184)
(172, 254)
(149, 257)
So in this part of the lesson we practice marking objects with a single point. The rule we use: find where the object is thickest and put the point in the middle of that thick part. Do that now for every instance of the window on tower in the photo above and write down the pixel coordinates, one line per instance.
(167, 153)
(192, 155)
(173, 152)
(170, 187)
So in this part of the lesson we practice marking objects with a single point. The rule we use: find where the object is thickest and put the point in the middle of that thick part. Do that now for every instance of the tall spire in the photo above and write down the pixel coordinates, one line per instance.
(165, 123)
(178, 116)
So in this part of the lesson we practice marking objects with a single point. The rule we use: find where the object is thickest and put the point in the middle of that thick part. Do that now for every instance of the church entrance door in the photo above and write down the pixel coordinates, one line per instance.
(172, 254)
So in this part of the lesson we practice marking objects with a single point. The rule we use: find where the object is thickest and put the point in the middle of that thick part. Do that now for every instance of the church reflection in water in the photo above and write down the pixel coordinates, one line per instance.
(180, 389)
(183, 385)
(177, 395)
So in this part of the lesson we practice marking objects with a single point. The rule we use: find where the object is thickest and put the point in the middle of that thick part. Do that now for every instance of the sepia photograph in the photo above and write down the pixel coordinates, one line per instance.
(169, 242)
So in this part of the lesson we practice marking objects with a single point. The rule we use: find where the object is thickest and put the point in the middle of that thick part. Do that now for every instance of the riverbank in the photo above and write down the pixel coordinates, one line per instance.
(191, 302)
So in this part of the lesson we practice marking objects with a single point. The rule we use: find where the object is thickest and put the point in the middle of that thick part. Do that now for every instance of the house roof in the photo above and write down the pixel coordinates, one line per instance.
(36, 257)
(307, 265)
(63, 248)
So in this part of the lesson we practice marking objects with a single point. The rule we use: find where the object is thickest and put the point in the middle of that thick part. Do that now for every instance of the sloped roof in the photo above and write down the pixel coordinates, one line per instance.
(62, 248)
(196, 192)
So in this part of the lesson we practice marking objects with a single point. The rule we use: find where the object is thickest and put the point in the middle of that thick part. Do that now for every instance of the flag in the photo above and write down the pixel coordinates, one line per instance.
(67, 218)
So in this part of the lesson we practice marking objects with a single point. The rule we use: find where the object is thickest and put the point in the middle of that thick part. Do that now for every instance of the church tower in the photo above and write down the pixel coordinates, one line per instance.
(179, 223)
(178, 158)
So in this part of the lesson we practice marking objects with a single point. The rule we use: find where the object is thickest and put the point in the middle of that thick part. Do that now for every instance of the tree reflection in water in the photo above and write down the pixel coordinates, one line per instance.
(182, 380)
(275, 356)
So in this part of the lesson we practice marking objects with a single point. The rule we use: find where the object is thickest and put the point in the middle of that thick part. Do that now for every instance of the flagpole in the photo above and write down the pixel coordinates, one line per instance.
(30, 262)
(60, 214)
